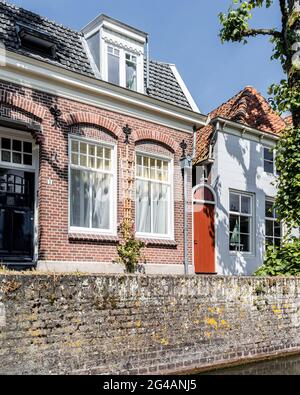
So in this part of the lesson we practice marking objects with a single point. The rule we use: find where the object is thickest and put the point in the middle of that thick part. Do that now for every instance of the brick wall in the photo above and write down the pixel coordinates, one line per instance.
(55, 243)
(138, 324)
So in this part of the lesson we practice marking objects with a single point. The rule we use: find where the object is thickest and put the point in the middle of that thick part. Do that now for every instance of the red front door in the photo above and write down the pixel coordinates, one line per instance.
(204, 238)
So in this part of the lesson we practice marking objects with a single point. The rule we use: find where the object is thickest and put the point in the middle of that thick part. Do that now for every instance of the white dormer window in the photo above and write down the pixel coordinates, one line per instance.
(117, 52)
(122, 68)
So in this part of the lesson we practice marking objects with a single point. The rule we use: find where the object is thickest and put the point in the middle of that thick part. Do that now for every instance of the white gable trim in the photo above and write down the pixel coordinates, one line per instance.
(184, 88)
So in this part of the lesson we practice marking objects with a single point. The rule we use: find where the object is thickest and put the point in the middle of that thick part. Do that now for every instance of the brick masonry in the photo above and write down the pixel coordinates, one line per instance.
(55, 243)
(142, 324)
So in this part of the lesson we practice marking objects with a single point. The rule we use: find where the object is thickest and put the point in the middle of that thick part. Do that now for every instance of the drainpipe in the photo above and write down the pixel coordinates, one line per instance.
(148, 65)
(186, 167)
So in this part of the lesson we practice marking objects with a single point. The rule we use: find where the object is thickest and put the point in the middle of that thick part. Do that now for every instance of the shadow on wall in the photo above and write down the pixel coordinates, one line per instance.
(247, 158)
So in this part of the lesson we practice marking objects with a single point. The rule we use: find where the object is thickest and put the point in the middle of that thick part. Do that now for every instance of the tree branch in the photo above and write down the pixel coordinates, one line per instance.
(265, 32)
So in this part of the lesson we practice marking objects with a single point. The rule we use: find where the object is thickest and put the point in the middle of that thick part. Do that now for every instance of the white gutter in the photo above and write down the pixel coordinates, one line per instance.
(244, 128)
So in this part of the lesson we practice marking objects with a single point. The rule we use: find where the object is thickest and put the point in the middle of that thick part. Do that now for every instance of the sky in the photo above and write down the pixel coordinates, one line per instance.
(184, 32)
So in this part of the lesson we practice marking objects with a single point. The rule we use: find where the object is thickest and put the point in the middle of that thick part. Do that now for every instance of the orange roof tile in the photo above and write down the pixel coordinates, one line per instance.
(249, 108)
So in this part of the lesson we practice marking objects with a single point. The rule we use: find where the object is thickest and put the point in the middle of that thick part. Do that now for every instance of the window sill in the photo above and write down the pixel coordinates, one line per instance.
(158, 242)
(93, 237)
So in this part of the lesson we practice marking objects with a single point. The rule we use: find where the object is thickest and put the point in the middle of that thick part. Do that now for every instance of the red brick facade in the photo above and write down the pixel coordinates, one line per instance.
(55, 243)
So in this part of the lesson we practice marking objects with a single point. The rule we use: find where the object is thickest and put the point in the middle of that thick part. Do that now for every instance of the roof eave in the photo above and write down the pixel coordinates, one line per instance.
(242, 127)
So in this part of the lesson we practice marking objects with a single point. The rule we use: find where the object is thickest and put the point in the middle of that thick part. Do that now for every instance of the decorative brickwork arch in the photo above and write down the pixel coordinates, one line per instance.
(74, 118)
(146, 134)
(22, 103)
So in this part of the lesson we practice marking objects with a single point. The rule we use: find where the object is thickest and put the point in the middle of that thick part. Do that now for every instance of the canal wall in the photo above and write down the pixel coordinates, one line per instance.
(142, 324)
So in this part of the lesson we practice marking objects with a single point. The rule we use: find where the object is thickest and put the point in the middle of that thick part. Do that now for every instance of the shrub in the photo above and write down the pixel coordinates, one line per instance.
(129, 252)
(283, 261)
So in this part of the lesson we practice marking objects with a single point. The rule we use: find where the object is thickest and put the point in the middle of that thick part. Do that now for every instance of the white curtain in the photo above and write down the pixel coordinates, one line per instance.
(100, 200)
(143, 206)
(160, 209)
(80, 202)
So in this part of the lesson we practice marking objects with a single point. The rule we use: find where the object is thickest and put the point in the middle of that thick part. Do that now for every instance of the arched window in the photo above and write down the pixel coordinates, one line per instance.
(204, 194)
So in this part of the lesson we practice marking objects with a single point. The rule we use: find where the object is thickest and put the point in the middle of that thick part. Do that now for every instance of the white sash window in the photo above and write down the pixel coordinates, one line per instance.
(153, 197)
(92, 179)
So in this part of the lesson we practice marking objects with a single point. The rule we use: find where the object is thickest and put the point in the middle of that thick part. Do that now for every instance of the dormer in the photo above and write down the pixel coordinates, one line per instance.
(117, 51)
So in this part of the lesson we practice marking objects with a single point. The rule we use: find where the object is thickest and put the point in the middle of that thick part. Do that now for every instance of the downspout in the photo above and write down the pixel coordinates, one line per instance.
(147, 65)
(186, 165)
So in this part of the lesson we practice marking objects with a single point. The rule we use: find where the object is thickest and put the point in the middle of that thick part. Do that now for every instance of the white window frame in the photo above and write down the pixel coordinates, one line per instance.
(170, 235)
(239, 214)
(22, 138)
(113, 172)
(274, 173)
(273, 219)
(122, 67)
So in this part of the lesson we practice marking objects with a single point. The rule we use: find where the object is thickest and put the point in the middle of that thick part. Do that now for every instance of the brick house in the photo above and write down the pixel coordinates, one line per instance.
(91, 132)
(234, 179)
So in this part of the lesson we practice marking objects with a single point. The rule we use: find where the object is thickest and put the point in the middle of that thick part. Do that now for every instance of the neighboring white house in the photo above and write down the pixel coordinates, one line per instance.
(236, 157)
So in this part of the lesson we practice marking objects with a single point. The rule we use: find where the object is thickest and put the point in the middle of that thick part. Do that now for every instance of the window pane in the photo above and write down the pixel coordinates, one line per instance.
(268, 154)
(269, 228)
(17, 145)
(234, 202)
(83, 148)
(234, 223)
(245, 243)
(143, 206)
(277, 242)
(113, 69)
(160, 208)
(92, 150)
(17, 157)
(107, 153)
(269, 209)
(100, 201)
(131, 81)
(27, 159)
(246, 204)
(99, 152)
(277, 229)
(269, 241)
(5, 143)
(27, 147)
(5, 156)
(80, 205)
(75, 145)
(269, 167)
(83, 160)
(75, 159)
(245, 224)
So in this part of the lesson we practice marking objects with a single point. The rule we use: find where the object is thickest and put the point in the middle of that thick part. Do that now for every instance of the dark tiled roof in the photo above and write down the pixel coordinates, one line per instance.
(249, 108)
(70, 51)
(164, 86)
(72, 56)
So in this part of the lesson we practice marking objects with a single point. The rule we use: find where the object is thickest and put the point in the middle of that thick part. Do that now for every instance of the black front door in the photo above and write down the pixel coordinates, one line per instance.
(16, 215)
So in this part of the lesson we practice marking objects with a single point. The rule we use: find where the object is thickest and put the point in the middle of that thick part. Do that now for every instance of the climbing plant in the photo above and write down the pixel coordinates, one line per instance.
(285, 96)
(129, 251)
